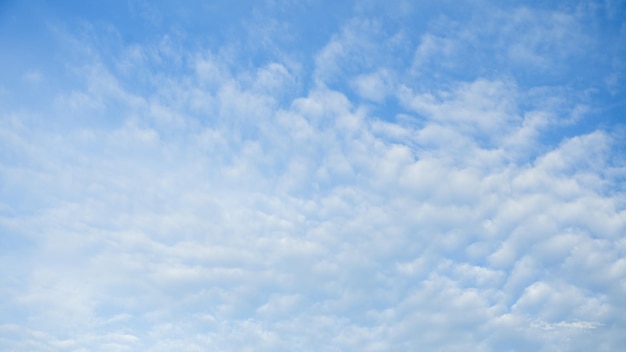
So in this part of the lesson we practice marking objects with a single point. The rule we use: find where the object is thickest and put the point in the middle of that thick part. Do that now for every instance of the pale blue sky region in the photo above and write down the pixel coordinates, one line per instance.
(312, 176)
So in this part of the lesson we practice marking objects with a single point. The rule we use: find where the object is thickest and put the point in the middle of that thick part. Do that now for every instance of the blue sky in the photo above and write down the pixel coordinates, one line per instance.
(312, 176)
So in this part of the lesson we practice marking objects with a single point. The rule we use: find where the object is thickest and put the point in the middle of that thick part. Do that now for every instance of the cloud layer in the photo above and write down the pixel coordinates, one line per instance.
(448, 185)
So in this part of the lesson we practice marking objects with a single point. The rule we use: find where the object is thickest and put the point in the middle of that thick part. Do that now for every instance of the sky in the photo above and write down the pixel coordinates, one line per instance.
(280, 175)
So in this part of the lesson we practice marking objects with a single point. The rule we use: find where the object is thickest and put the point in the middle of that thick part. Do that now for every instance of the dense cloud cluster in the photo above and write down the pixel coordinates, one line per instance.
(378, 195)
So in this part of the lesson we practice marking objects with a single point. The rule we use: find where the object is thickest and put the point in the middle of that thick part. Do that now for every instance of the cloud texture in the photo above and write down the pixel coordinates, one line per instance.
(391, 177)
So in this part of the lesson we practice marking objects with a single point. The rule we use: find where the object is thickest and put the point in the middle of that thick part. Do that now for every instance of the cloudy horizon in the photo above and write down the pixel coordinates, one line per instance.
(313, 176)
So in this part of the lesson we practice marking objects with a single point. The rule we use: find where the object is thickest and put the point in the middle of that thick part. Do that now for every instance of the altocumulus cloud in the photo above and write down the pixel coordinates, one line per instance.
(280, 176)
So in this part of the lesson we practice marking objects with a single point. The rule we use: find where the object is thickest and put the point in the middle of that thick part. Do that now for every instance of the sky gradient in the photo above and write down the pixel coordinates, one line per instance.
(313, 175)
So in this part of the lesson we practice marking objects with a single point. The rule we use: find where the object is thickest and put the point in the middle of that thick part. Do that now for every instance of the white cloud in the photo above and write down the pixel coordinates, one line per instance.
(434, 48)
(480, 107)
(374, 86)
(549, 35)
(362, 45)
(219, 210)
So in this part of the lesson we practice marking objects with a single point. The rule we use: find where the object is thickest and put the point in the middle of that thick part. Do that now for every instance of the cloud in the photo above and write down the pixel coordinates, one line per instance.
(217, 206)
(374, 86)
